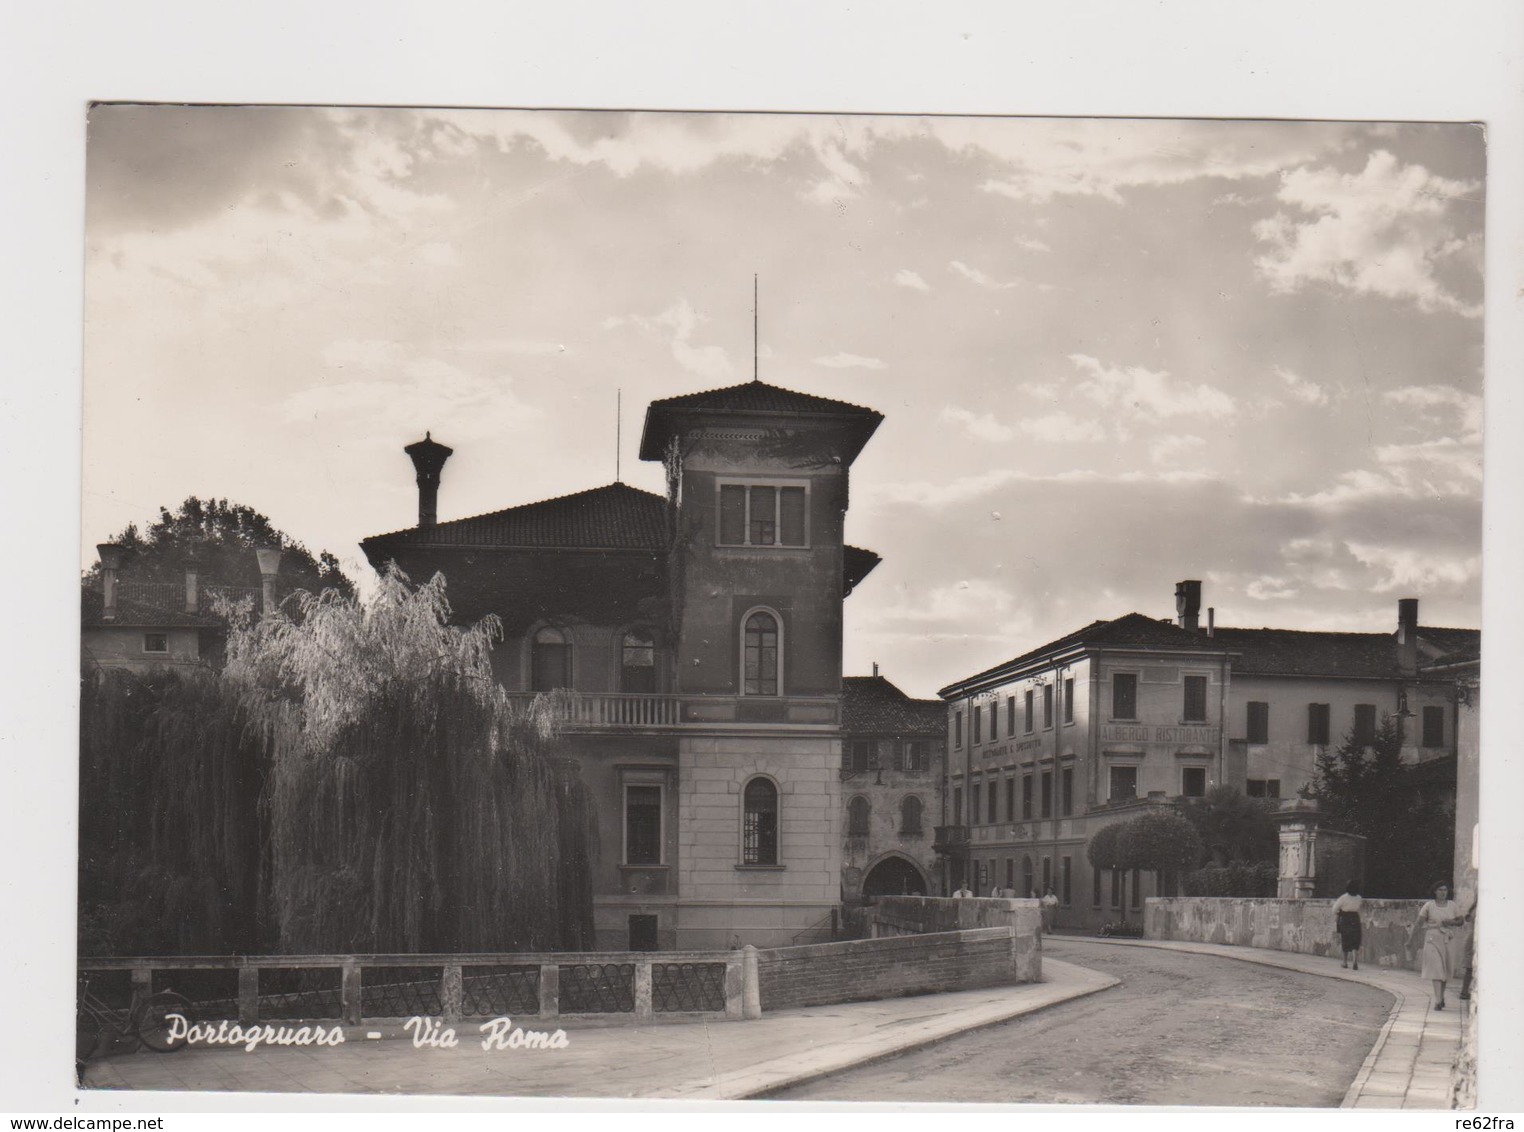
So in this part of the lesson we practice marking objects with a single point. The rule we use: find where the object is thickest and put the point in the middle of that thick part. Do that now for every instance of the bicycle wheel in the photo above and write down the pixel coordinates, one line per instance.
(87, 1035)
(153, 1021)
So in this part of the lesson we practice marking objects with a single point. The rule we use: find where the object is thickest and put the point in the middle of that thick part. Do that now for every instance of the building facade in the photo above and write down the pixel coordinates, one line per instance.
(697, 638)
(891, 784)
(1137, 713)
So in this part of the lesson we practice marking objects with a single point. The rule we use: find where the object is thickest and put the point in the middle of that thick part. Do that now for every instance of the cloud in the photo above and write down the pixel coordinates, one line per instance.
(907, 278)
(1043, 390)
(1267, 588)
(675, 327)
(1468, 406)
(1152, 395)
(1031, 245)
(1307, 392)
(1169, 448)
(923, 493)
(974, 275)
(1416, 570)
(981, 425)
(396, 390)
(843, 360)
(1061, 428)
(1388, 230)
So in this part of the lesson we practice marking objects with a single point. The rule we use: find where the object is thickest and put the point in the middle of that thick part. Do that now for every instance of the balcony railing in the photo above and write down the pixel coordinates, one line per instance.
(949, 838)
(612, 709)
(618, 710)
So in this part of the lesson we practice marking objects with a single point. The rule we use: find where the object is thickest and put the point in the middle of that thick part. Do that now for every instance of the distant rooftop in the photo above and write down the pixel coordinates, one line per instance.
(753, 398)
(871, 705)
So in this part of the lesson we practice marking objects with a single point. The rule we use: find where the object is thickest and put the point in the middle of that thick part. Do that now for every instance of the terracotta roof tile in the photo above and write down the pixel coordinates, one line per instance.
(871, 705)
(615, 516)
(132, 614)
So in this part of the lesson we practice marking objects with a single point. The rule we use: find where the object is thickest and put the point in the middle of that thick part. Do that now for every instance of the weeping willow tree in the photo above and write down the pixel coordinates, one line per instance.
(410, 807)
(170, 857)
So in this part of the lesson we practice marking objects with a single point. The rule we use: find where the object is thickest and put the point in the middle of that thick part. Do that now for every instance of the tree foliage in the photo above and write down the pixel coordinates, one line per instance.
(1369, 790)
(353, 780)
(223, 537)
(1102, 850)
(1234, 827)
(1158, 841)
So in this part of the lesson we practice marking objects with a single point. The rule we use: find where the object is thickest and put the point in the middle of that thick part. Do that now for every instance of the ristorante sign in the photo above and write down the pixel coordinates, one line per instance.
(1149, 733)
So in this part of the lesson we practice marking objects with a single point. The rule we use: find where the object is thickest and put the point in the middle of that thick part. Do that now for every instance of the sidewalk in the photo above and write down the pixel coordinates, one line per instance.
(1411, 1065)
(696, 1061)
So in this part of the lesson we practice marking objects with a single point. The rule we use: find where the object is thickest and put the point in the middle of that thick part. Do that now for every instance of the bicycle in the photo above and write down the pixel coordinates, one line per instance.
(145, 1022)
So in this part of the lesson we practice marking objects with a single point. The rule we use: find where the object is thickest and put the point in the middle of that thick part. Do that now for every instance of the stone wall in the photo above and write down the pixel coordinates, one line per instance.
(910, 915)
(1303, 926)
(862, 970)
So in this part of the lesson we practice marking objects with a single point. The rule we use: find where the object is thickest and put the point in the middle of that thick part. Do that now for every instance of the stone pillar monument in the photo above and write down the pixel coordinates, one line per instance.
(1298, 822)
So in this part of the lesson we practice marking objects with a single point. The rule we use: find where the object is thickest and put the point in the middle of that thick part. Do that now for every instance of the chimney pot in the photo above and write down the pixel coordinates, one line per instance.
(875, 668)
(111, 561)
(1407, 635)
(269, 567)
(1211, 621)
(1188, 604)
(428, 457)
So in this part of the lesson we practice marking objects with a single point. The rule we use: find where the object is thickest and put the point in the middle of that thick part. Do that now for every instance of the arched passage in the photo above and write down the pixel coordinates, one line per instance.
(894, 876)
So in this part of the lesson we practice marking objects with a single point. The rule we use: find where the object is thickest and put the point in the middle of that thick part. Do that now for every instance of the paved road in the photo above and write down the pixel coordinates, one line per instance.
(1180, 1029)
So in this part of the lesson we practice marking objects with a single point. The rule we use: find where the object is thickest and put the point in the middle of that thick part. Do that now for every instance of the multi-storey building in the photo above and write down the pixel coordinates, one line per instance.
(1136, 712)
(891, 784)
(699, 635)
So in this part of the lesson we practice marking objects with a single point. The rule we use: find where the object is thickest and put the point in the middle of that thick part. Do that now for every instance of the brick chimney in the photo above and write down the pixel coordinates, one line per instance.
(1407, 636)
(1188, 605)
(269, 567)
(192, 564)
(428, 460)
(111, 561)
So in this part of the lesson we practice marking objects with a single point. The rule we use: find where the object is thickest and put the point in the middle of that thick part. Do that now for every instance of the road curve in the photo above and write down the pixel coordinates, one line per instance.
(1180, 1029)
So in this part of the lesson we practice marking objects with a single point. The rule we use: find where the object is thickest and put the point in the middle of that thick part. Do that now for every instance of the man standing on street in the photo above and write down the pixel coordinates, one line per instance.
(1049, 911)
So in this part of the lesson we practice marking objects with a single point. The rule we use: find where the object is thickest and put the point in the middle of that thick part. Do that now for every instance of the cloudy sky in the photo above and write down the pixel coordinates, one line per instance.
(1111, 354)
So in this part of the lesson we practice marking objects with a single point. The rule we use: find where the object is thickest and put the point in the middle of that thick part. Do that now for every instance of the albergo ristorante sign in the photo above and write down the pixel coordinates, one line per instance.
(1148, 733)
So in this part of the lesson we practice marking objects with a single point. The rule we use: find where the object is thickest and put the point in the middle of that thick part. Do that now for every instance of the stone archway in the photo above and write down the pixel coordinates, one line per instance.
(894, 876)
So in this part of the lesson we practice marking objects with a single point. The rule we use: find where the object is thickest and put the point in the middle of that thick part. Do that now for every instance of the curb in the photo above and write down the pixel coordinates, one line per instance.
(1095, 983)
(1399, 997)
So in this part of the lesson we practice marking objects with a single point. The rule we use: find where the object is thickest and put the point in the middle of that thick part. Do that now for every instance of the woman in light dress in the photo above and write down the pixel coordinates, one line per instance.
(1347, 919)
(1440, 920)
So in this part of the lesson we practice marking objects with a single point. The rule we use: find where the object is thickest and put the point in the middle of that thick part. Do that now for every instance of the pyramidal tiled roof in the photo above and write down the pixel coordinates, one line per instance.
(753, 397)
(131, 614)
(1133, 630)
(871, 705)
(613, 517)
(1296, 652)
(760, 397)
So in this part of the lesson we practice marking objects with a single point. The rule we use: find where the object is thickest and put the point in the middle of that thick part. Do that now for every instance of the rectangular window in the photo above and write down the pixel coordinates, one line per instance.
(642, 825)
(994, 801)
(1193, 782)
(1263, 788)
(1066, 792)
(1066, 880)
(1047, 874)
(155, 642)
(1010, 799)
(1010, 715)
(1026, 797)
(763, 515)
(1047, 706)
(1118, 877)
(957, 805)
(1069, 699)
(1124, 783)
(1047, 793)
(860, 754)
(973, 804)
(1010, 874)
(916, 760)
(1124, 695)
(1259, 722)
(1317, 724)
(994, 720)
(1137, 889)
(976, 715)
(1031, 715)
(1195, 699)
(1095, 887)
(957, 730)
(1365, 724)
(1433, 727)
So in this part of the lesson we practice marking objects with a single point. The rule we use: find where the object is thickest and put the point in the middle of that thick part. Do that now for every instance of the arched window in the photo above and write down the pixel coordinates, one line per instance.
(857, 817)
(637, 662)
(759, 828)
(550, 660)
(760, 654)
(910, 815)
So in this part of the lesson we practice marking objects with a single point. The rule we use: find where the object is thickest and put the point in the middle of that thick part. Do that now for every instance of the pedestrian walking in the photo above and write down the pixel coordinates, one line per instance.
(1347, 920)
(1049, 910)
(1439, 920)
